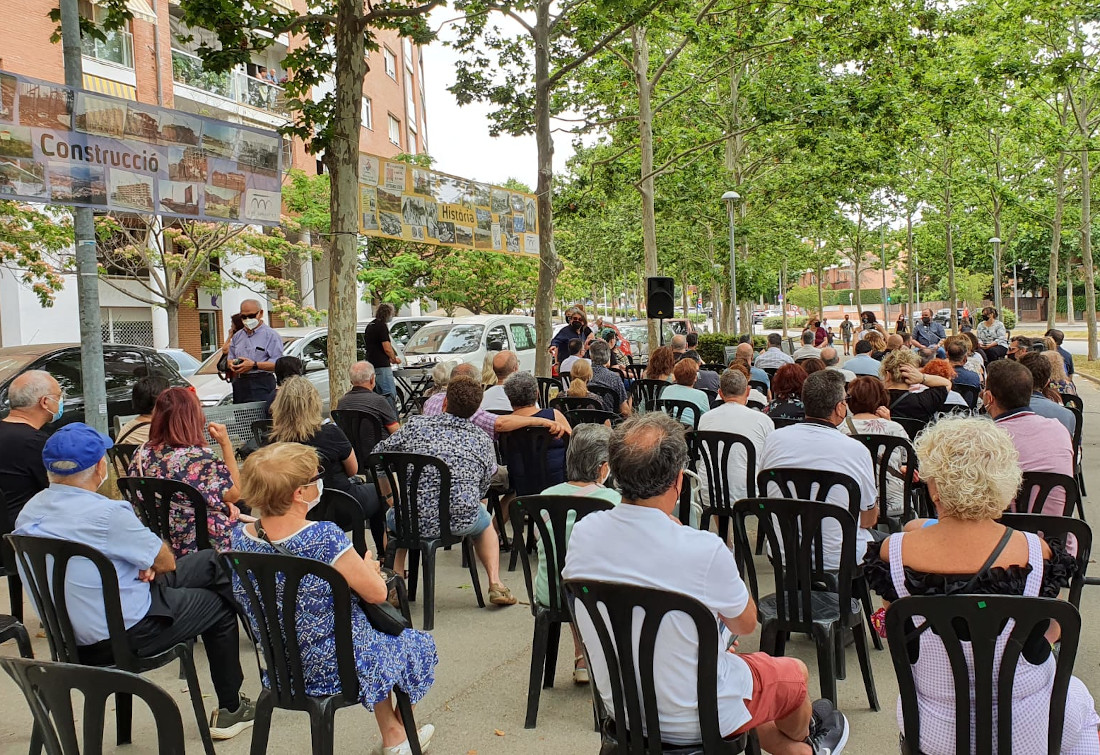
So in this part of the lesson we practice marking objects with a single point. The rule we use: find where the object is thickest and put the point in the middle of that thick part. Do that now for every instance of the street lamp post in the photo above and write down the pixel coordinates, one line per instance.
(996, 242)
(730, 198)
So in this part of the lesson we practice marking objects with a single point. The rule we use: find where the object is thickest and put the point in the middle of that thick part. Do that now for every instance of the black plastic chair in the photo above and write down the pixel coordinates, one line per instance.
(912, 426)
(48, 688)
(636, 370)
(547, 387)
(550, 514)
(713, 367)
(981, 619)
(759, 385)
(783, 421)
(1078, 451)
(591, 416)
(770, 371)
(568, 403)
(45, 563)
(807, 598)
(12, 629)
(1072, 401)
(152, 499)
(363, 430)
(712, 396)
(261, 430)
(1041, 485)
(644, 393)
(1059, 528)
(639, 730)
(273, 602)
(406, 475)
(710, 452)
(344, 511)
(525, 452)
(608, 396)
(7, 562)
(120, 455)
(968, 392)
(882, 448)
(676, 409)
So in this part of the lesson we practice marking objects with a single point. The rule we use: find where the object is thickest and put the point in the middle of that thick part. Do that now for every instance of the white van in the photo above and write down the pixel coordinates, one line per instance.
(469, 339)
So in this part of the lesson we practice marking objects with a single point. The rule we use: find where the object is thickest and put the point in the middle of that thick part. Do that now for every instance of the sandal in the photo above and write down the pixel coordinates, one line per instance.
(580, 672)
(499, 595)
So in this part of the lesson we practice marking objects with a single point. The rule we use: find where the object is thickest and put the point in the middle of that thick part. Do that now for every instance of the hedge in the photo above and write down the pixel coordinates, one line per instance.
(775, 323)
(712, 345)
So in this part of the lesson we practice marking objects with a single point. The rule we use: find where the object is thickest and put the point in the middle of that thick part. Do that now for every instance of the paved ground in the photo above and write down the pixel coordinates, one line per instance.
(478, 702)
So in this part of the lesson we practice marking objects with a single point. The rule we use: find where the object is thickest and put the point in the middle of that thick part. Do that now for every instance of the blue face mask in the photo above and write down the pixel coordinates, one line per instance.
(60, 410)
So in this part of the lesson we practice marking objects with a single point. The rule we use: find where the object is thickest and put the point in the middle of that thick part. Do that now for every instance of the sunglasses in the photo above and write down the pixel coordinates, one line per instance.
(253, 314)
(316, 477)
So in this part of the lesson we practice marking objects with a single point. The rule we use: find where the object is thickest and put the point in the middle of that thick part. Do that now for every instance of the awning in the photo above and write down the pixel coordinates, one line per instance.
(140, 9)
(106, 86)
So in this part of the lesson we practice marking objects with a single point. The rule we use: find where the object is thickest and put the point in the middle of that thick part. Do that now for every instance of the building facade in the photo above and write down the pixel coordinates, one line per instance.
(147, 62)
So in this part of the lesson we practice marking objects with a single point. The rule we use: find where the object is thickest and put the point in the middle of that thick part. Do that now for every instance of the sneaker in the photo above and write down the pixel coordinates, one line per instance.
(225, 724)
(828, 735)
(424, 734)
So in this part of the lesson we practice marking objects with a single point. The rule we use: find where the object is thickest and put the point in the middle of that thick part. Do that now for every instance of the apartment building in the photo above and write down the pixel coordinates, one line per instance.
(148, 62)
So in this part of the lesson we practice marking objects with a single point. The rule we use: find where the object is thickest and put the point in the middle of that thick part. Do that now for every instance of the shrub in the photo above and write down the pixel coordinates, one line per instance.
(712, 345)
(775, 323)
(1008, 317)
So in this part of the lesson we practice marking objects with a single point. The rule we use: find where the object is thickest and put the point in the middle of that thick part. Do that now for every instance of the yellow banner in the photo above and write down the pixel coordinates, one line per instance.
(407, 202)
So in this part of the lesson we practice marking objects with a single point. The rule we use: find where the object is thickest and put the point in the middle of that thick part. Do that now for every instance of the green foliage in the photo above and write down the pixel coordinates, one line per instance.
(712, 345)
(31, 243)
(1008, 317)
(775, 323)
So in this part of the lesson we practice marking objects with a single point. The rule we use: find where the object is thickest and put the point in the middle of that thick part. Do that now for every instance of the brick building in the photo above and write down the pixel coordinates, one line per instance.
(147, 63)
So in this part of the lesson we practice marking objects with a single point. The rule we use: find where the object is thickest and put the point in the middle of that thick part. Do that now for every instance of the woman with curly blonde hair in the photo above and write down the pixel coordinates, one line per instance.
(940, 557)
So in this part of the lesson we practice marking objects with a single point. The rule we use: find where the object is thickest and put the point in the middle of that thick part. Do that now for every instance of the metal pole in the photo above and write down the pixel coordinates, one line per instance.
(87, 281)
(733, 269)
(885, 305)
(996, 273)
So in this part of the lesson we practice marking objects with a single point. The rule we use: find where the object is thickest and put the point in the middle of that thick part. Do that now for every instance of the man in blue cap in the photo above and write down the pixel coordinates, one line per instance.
(164, 601)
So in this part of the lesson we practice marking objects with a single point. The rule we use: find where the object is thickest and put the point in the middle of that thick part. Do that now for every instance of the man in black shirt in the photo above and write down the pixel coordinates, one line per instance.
(380, 352)
(35, 399)
(362, 398)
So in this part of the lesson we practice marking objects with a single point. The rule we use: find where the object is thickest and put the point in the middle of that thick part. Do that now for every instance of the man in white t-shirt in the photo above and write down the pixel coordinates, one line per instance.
(734, 416)
(504, 364)
(647, 455)
(816, 444)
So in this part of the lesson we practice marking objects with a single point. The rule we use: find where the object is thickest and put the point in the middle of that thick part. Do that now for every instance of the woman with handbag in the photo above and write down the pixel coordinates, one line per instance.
(282, 483)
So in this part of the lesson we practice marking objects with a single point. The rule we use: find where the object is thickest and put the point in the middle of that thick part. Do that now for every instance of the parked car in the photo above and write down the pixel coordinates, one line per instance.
(943, 316)
(123, 366)
(681, 325)
(469, 339)
(185, 363)
(404, 328)
(638, 335)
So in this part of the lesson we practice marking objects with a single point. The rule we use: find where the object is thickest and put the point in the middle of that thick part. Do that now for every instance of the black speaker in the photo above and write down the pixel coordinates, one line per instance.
(660, 298)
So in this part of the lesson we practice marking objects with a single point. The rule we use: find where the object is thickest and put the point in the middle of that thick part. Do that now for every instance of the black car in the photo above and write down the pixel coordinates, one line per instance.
(123, 366)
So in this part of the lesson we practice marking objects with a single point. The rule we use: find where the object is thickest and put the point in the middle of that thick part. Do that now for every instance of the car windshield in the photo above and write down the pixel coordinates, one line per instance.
(641, 332)
(446, 339)
(12, 364)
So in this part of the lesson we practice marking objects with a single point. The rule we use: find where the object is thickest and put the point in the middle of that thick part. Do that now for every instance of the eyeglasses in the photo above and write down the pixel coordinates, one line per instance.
(318, 476)
(253, 314)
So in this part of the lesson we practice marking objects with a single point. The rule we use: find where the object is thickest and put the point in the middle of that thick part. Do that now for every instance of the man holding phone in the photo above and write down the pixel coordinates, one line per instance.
(252, 354)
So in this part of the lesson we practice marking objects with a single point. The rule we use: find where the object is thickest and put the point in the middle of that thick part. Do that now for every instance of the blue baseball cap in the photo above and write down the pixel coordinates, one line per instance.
(74, 448)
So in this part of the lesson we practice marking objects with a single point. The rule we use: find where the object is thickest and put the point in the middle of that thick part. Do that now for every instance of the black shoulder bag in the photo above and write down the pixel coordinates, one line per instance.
(382, 616)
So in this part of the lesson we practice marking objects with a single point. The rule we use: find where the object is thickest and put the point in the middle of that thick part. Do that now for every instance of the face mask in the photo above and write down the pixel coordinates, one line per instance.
(250, 323)
(320, 489)
(926, 320)
(60, 410)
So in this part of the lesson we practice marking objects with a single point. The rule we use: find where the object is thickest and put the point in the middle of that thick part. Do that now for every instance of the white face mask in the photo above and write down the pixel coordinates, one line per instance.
(250, 323)
(320, 489)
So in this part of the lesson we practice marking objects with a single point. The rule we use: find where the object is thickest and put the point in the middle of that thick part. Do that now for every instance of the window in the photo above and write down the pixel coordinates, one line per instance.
(411, 147)
(407, 49)
(391, 63)
(116, 47)
(65, 368)
(122, 369)
(395, 131)
(410, 104)
(316, 351)
(368, 114)
(497, 336)
(522, 337)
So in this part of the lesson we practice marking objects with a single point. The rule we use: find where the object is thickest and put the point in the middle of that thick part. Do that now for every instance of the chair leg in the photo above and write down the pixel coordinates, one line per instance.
(404, 708)
(261, 727)
(768, 638)
(15, 599)
(124, 715)
(552, 643)
(429, 589)
(23, 641)
(865, 665)
(36, 742)
(469, 557)
(864, 591)
(195, 692)
(412, 560)
(825, 666)
(538, 659)
(838, 646)
(759, 540)
(321, 729)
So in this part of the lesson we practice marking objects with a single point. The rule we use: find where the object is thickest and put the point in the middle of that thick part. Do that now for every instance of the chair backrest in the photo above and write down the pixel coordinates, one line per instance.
(713, 367)
(48, 688)
(44, 563)
(566, 403)
(645, 392)
(712, 396)
(7, 555)
(406, 475)
(545, 392)
(1040, 485)
(271, 583)
(637, 722)
(770, 371)
(608, 395)
(759, 385)
(636, 370)
(1078, 426)
(982, 619)
(1058, 528)
(525, 452)
(968, 392)
(794, 532)
(807, 485)
(1072, 401)
(342, 509)
(550, 515)
(882, 448)
(912, 426)
(710, 451)
(363, 429)
(591, 416)
(677, 408)
(120, 455)
(261, 429)
(152, 499)
(779, 421)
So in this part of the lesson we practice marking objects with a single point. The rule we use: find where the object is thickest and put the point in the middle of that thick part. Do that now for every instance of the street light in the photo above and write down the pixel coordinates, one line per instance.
(996, 242)
(730, 198)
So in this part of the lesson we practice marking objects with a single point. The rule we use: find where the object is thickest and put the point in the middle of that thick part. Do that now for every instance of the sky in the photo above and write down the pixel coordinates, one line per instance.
(458, 137)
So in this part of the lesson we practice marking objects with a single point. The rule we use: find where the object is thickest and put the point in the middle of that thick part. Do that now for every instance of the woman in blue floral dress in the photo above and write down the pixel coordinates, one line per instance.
(282, 483)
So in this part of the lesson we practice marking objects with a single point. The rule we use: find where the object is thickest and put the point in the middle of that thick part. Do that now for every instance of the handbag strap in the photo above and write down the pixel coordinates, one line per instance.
(263, 535)
(851, 425)
(129, 432)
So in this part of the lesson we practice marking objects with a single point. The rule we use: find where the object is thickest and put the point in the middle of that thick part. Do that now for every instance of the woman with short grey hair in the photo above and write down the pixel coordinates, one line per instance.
(586, 469)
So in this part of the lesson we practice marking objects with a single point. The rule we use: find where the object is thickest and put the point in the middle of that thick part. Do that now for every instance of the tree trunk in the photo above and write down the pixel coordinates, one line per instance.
(1070, 317)
(342, 161)
(949, 253)
(783, 294)
(1086, 249)
(820, 295)
(173, 310)
(998, 294)
(549, 266)
(857, 261)
(911, 278)
(1056, 242)
(640, 40)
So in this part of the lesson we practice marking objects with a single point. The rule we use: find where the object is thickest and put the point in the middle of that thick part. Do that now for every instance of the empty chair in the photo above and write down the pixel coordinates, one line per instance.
(48, 689)
(1078, 434)
(636, 370)
(344, 511)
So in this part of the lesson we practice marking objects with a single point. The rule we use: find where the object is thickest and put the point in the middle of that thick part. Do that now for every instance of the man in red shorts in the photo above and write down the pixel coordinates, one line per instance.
(641, 543)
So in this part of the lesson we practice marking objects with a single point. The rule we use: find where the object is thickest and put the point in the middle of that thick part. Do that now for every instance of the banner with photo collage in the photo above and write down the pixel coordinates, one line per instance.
(402, 201)
(74, 147)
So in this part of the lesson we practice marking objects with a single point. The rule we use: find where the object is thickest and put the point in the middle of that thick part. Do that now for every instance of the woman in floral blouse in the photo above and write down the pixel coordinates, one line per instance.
(176, 450)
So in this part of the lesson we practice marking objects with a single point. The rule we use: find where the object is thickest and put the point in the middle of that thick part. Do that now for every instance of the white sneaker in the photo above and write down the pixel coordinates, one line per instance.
(424, 734)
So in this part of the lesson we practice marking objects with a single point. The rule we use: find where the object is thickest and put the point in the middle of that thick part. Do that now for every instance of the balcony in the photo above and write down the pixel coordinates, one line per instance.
(234, 85)
(117, 48)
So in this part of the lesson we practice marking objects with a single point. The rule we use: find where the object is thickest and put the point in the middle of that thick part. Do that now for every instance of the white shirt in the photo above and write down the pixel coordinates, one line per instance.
(568, 362)
(619, 546)
(849, 376)
(772, 357)
(732, 417)
(807, 351)
(496, 398)
(755, 395)
(808, 445)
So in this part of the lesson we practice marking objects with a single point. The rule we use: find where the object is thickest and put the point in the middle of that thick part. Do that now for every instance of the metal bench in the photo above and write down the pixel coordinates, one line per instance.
(237, 418)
